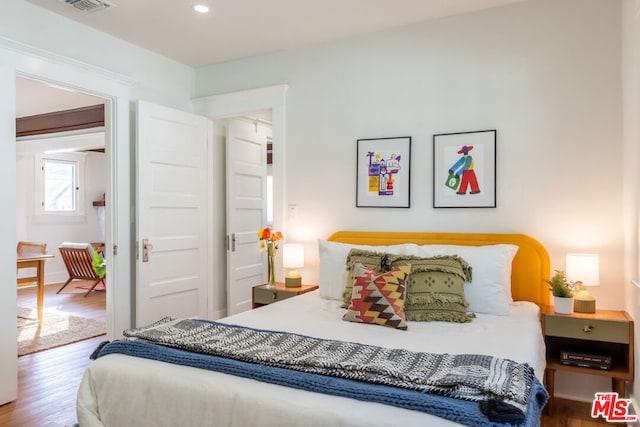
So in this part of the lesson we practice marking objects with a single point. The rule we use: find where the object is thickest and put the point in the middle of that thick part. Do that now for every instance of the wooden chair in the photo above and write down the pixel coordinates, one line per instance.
(31, 248)
(25, 248)
(78, 258)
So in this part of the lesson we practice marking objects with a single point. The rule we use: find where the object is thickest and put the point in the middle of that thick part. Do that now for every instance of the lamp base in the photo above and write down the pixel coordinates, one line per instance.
(584, 306)
(292, 282)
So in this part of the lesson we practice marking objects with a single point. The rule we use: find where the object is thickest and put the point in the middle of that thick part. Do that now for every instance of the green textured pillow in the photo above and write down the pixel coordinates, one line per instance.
(435, 286)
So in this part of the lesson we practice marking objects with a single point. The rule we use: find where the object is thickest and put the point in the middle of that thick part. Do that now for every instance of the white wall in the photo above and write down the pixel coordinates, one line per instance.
(546, 74)
(53, 232)
(631, 98)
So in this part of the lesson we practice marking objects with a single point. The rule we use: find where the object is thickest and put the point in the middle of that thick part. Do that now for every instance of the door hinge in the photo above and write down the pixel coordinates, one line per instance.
(231, 242)
(115, 249)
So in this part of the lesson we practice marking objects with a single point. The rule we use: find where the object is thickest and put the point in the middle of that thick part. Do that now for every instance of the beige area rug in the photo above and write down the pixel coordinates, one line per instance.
(57, 329)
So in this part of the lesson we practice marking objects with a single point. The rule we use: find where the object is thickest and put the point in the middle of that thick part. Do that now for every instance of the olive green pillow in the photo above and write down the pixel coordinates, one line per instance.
(435, 286)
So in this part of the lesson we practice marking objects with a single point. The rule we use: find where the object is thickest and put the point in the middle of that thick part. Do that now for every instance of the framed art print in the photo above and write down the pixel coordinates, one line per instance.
(464, 170)
(383, 176)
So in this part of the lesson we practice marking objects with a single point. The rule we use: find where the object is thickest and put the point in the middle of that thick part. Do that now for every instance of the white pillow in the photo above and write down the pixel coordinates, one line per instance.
(490, 288)
(333, 265)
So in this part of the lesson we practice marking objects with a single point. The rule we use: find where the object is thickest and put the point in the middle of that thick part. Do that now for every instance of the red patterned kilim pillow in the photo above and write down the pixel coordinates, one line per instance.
(378, 298)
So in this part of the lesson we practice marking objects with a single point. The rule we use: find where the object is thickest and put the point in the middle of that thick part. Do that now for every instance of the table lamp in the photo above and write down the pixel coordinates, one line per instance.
(586, 269)
(292, 258)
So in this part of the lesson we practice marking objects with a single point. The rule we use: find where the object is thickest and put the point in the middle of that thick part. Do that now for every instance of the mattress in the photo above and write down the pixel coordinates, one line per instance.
(117, 389)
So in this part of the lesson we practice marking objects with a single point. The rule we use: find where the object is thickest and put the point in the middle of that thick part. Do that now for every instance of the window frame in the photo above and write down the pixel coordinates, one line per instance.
(39, 183)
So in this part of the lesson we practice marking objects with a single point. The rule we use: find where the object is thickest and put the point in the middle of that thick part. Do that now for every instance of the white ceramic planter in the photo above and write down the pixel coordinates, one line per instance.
(563, 305)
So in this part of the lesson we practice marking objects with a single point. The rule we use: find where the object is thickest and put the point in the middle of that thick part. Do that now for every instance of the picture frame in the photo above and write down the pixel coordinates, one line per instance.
(464, 169)
(383, 175)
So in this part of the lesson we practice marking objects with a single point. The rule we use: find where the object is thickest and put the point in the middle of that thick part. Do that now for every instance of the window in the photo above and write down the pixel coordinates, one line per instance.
(59, 184)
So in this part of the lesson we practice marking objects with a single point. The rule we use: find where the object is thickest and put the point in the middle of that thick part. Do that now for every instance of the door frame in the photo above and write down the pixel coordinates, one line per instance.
(8, 295)
(216, 107)
(38, 64)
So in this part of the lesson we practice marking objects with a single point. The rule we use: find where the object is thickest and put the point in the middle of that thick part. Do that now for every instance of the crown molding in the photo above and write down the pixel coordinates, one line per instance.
(45, 55)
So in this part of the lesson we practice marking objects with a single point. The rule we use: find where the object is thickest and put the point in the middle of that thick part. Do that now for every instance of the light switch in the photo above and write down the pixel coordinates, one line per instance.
(292, 212)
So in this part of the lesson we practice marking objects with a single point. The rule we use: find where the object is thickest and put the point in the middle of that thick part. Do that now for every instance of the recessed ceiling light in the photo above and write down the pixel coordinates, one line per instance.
(201, 8)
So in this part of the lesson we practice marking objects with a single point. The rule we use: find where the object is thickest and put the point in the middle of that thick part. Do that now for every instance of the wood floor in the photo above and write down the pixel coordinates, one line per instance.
(568, 413)
(48, 381)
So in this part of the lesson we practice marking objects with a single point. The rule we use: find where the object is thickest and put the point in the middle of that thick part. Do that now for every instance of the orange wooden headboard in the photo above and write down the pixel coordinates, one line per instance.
(529, 270)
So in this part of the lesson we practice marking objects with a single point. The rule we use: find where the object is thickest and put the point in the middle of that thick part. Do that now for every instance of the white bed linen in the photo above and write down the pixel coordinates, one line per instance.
(119, 390)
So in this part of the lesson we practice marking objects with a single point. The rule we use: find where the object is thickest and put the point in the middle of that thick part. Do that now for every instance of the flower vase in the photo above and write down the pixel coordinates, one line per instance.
(271, 271)
(271, 274)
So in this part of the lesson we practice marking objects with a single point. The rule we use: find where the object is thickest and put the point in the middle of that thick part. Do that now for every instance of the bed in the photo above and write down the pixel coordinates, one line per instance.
(120, 389)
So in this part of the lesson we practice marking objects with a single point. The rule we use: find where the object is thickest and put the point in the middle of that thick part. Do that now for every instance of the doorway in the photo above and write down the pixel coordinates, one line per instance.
(116, 89)
(247, 141)
(217, 107)
(49, 138)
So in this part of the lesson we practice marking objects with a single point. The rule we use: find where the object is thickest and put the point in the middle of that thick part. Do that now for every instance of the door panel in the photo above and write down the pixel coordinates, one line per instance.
(246, 211)
(172, 214)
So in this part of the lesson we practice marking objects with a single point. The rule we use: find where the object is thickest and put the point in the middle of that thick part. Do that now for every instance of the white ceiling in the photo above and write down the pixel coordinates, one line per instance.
(34, 97)
(232, 29)
(241, 28)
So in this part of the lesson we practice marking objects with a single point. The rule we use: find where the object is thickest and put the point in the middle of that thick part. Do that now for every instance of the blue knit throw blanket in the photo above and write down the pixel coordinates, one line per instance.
(476, 390)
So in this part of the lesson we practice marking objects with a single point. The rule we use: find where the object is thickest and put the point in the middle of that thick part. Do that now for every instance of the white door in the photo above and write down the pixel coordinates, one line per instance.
(172, 259)
(246, 211)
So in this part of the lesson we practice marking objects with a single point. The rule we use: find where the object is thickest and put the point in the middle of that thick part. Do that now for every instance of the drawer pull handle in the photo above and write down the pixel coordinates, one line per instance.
(587, 328)
(274, 296)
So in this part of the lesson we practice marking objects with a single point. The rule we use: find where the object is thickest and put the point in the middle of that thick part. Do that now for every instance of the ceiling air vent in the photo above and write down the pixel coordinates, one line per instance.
(89, 5)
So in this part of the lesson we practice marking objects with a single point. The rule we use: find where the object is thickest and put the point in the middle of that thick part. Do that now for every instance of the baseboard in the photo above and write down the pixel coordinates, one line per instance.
(573, 397)
(219, 314)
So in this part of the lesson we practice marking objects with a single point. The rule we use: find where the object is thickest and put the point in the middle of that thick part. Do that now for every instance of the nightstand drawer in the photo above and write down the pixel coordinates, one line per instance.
(268, 296)
(587, 329)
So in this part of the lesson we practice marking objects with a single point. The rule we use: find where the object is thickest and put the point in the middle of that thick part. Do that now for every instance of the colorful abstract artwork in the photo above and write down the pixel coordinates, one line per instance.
(464, 170)
(383, 172)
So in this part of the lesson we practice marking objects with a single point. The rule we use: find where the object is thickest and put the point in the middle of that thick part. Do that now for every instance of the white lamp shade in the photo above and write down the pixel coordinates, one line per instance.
(293, 255)
(584, 268)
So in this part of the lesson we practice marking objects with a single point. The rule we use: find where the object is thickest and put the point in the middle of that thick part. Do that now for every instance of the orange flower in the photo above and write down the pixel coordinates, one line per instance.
(265, 233)
(269, 237)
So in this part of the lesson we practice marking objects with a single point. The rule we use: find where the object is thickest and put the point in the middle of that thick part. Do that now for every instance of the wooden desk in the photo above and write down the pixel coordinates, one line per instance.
(34, 261)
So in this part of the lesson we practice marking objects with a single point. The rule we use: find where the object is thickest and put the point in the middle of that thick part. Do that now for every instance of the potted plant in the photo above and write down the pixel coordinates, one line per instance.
(562, 291)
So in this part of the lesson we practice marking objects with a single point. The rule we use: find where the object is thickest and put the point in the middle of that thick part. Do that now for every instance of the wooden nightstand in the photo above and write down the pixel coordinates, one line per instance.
(262, 295)
(605, 332)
